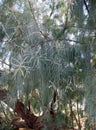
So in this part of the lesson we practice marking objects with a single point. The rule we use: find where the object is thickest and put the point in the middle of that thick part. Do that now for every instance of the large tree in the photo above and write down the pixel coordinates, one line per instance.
(47, 48)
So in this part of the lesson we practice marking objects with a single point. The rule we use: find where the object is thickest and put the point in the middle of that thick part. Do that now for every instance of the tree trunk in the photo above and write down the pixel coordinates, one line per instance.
(71, 113)
(79, 124)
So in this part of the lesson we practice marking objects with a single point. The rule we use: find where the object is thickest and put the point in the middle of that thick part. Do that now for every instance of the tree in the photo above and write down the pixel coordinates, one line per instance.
(49, 47)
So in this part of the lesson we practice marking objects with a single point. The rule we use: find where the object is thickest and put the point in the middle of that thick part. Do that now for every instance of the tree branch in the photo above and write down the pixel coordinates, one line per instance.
(3, 62)
(32, 12)
(61, 39)
(86, 6)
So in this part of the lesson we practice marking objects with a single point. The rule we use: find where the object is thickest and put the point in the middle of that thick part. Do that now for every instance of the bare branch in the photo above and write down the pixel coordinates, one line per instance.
(3, 62)
(32, 12)
(86, 6)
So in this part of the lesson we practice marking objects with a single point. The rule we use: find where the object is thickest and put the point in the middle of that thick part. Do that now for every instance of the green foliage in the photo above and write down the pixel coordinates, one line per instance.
(53, 43)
